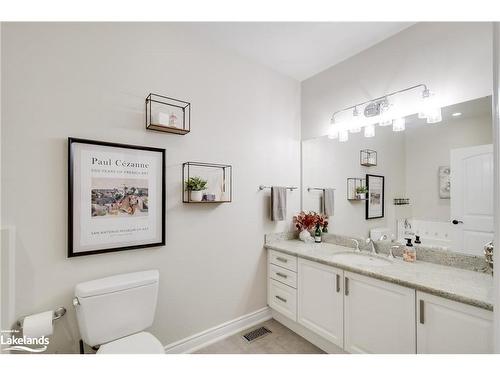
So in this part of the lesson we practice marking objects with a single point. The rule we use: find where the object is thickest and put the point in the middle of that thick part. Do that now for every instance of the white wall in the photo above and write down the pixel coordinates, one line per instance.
(454, 59)
(90, 81)
(327, 163)
(427, 148)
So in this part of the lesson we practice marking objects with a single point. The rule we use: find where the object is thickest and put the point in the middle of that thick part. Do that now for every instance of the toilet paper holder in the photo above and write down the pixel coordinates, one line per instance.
(57, 314)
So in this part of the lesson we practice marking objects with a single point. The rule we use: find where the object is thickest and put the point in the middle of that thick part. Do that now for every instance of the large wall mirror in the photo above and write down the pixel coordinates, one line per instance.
(438, 179)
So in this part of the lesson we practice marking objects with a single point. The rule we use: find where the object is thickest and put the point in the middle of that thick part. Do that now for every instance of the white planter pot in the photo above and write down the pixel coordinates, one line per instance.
(361, 195)
(305, 236)
(196, 196)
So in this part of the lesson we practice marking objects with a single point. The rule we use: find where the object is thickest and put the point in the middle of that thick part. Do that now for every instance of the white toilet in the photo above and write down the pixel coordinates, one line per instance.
(113, 313)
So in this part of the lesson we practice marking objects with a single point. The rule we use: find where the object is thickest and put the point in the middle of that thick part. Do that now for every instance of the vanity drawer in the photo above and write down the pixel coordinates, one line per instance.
(282, 274)
(283, 260)
(283, 299)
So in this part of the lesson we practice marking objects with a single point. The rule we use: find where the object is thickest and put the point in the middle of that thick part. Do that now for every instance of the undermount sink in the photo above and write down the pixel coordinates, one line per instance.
(362, 259)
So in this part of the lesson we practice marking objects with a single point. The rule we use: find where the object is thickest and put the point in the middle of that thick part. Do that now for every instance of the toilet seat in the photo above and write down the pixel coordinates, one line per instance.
(138, 343)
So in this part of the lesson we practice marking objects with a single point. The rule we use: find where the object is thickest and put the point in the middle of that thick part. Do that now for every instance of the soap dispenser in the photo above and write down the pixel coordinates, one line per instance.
(410, 253)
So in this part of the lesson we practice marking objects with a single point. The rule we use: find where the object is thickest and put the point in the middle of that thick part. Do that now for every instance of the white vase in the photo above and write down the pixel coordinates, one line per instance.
(361, 195)
(196, 195)
(305, 235)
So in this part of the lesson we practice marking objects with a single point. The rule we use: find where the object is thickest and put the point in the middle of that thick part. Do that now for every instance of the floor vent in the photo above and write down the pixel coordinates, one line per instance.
(256, 333)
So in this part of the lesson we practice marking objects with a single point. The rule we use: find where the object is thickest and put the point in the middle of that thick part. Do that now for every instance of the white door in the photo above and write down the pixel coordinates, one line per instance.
(379, 317)
(449, 327)
(471, 193)
(320, 300)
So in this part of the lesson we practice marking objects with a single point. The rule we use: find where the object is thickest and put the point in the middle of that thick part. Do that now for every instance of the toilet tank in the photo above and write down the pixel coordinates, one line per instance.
(116, 306)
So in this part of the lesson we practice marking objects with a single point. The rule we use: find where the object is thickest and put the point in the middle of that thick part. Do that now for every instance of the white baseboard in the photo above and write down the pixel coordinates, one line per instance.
(197, 341)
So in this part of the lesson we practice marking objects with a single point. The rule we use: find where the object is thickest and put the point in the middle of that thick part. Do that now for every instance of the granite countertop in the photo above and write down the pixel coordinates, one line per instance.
(472, 288)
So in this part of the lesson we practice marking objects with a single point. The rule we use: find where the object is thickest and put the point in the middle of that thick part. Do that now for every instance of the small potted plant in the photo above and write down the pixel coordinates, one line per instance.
(195, 187)
(361, 192)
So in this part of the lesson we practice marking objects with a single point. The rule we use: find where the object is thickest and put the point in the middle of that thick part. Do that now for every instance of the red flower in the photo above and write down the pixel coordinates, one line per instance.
(309, 220)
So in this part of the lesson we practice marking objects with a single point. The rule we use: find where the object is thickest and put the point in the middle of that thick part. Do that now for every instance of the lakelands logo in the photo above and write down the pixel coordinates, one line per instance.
(23, 343)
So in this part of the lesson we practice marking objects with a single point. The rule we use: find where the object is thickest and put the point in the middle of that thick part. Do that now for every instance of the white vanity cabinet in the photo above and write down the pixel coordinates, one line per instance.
(445, 326)
(282, 283)
(361, 314)
(379, 317)
(320, 300)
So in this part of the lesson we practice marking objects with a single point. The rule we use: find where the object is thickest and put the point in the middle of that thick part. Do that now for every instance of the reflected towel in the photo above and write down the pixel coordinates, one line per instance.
(328, 201)
(278, 203)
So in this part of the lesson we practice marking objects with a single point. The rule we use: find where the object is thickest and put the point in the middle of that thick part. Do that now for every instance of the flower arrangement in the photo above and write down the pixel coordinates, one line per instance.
(309, 220)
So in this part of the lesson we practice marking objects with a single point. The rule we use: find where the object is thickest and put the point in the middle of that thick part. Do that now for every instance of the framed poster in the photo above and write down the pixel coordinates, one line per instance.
(375, 201)
(116, 197)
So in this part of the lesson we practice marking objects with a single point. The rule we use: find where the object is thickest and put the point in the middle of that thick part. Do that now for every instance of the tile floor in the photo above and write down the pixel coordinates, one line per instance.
(281, 341)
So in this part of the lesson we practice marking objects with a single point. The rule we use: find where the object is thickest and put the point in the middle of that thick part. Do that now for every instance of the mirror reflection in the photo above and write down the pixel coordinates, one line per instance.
(430, 181)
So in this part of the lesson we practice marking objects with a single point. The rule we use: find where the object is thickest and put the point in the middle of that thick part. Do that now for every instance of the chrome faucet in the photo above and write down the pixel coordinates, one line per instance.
(391, 254)
(370, 241)
(356, 242)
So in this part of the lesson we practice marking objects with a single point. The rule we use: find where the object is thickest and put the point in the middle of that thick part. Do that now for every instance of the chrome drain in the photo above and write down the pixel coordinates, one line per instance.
(256, 333)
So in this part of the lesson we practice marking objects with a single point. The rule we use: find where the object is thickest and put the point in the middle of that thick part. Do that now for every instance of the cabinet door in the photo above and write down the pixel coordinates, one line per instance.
(379, 317)
(320, 300)
(445, 326)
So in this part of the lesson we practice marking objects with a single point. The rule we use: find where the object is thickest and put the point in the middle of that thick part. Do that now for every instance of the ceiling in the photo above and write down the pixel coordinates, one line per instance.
(297, 49)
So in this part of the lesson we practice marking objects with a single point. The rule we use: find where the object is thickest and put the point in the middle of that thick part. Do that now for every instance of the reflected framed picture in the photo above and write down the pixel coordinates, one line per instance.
(376, 201)
(444, 182)
(116, 197)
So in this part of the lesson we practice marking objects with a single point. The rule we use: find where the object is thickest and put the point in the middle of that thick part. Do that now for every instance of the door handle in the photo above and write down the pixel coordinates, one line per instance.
(454, 221)
(346, 286)
(422, 318)
(338, 283)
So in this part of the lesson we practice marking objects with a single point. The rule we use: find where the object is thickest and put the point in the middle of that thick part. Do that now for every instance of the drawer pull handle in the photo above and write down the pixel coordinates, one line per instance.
(281, 299)
(281, 275)
(422, 319)
(338, 283)
(284, 260)
(346, 287)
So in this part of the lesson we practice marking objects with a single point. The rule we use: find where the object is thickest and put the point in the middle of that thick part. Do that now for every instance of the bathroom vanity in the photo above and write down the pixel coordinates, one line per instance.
(347, 301)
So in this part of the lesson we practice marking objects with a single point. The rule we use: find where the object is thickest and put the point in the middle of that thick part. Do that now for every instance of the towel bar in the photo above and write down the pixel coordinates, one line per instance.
(315, 188)
(291, 188)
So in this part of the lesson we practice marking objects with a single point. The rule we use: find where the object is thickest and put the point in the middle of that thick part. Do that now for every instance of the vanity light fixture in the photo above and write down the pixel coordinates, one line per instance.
(385, 116)
(355, 128)
(399, 124)
(370, 131)
(390, 109)
(333, 131)
(434, 116)
(343, 136)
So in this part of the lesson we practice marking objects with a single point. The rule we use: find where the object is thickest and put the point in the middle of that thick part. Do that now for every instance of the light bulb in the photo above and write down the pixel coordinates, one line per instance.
(399, 124)
(434, 116)
(369, 131)
(385, 119)
(385, 122)
(333, 133)
(343, 136)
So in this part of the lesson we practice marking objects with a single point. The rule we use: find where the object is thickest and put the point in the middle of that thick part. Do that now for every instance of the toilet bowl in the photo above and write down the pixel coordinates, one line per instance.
(113, 313)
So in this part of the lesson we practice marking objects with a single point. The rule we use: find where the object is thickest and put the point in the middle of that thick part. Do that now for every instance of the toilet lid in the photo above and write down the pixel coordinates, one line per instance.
(138, 343)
